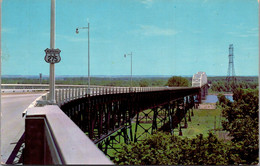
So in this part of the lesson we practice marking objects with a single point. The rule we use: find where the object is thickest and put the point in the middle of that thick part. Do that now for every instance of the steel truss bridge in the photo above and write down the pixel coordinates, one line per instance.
(107, 116)
(107, 119)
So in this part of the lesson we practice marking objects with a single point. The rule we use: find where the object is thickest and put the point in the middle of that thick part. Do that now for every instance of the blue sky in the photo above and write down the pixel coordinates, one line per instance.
(167, 37)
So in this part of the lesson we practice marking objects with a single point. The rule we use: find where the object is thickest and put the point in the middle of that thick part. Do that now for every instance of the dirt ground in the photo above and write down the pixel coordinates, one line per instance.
(207, 106)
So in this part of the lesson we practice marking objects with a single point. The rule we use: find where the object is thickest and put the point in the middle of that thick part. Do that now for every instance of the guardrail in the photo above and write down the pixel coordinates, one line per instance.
(41, 86)
(52, 138)
(66, 93)
(69, 94)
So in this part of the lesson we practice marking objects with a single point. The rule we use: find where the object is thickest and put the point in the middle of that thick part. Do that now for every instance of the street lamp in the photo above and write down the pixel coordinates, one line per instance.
(0, 65)
(77, 31)
(131, 70)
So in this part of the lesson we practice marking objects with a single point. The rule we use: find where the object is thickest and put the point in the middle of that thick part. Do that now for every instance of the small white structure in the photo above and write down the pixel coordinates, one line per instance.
(199, 79)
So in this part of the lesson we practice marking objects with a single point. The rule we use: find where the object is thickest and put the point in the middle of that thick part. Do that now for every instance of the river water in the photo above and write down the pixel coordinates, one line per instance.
(214, 98)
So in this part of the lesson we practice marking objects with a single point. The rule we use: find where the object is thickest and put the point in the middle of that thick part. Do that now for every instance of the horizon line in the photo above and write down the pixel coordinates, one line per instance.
(7, 75)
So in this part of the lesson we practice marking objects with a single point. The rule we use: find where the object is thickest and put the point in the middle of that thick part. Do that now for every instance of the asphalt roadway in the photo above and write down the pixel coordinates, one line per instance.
(12, 122)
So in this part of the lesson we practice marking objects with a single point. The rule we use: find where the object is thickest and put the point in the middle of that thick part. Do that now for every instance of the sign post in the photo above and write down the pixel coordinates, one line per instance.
(52, 46)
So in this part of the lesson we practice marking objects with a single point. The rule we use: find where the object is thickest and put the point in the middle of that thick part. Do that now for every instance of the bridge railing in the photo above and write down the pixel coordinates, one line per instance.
(64, 95)
(48, 142)
(40, 86)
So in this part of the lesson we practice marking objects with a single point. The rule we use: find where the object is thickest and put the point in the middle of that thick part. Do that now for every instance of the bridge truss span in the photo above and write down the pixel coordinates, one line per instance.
(200, 80)
(104, 117)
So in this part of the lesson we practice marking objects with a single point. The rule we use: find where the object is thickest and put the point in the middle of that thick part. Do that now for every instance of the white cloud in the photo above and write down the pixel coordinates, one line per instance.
(71, 38)
(79, 39)
(242, 35)
(231, 33)
(147, 3)
(196, 31)
(254, 29)
(250, 48)
(149, 30)
(7, 30)
(253, 32)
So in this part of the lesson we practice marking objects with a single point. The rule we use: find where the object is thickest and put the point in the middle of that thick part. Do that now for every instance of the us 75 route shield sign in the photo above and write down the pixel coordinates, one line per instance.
(52, 55)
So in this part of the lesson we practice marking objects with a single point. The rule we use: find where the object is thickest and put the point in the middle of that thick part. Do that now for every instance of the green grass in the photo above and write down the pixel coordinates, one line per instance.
(202, 122)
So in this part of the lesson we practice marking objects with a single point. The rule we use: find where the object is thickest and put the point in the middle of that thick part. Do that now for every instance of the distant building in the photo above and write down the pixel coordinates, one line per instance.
(199, 79)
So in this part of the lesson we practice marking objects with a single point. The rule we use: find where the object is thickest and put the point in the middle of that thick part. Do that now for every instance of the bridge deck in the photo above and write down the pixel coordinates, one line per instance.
(100, 115)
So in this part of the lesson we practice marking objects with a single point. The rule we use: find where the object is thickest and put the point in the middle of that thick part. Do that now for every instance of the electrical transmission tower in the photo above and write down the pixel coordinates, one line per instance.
(231, 79)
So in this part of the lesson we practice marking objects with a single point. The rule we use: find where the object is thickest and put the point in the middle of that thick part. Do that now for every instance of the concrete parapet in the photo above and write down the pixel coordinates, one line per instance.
(52, 138)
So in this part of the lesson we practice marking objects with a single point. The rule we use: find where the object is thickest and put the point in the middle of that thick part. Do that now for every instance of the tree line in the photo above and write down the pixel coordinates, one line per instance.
(225, 86)
(107, 81)
(220, 84)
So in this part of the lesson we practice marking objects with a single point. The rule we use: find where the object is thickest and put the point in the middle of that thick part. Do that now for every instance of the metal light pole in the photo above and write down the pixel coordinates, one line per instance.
(131, 69)
(0, 76)
(77, 31)
(52, 45)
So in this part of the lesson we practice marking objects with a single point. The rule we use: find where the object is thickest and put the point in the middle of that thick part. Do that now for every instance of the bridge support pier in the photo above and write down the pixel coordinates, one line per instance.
(185, 108)
(189, 115)
(185, 122)
(180, 132)
(154, 125)
(170, 114)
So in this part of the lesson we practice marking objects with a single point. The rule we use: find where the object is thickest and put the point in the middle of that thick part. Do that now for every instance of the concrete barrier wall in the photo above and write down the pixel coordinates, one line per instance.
(52, 138)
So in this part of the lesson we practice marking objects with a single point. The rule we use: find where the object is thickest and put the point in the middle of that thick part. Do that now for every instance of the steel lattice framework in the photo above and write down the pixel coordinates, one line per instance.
(200, 80)
(113, 118)
(231, 70)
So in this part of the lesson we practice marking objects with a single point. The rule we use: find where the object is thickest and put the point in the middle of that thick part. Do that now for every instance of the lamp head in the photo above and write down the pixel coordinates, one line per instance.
(77, 30)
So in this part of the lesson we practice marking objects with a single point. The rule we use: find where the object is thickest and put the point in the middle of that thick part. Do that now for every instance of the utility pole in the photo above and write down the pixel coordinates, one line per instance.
(52, 46)
(88, 64)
